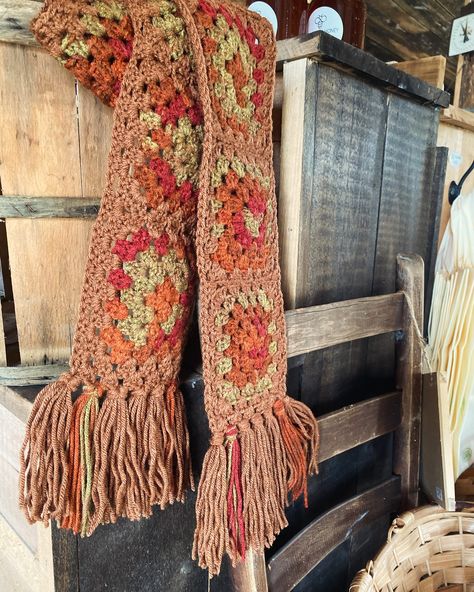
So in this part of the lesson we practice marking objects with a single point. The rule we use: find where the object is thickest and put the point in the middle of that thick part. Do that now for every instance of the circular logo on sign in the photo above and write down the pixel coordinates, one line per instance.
(326, 19)
(265, 10)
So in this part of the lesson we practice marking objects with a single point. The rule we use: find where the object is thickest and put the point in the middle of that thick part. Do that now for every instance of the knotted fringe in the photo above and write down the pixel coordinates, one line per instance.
(104, 456)
(249, 474)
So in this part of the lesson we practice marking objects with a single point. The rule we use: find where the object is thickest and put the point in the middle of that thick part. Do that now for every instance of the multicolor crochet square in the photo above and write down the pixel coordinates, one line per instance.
(190, 191)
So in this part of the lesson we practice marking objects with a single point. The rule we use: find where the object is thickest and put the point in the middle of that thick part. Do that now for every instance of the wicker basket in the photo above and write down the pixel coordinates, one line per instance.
(427, 550)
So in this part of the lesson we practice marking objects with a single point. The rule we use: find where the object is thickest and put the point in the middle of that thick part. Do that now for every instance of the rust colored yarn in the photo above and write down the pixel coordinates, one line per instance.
(190, 193)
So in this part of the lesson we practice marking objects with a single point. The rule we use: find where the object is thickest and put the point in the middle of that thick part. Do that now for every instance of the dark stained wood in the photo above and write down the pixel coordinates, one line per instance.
(65, 562)
(341, 180)
(405, 30)
(436, 198)
(466, 91)
(323, 47)
(317, 327)
(351, 426)
(408, 209)
(406, 460)
(14, 206)
(290, 565)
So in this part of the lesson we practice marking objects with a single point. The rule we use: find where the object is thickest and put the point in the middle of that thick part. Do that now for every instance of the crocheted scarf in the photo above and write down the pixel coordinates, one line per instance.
(190, 194)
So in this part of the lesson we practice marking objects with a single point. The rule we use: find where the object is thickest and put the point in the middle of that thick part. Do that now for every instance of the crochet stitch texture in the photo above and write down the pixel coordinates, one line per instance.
(190, 193)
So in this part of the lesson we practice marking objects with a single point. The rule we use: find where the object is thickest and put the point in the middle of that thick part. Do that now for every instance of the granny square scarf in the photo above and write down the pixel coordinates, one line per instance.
(190, 194)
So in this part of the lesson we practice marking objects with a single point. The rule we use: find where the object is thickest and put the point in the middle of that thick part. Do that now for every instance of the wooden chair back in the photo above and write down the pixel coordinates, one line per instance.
(319, 327)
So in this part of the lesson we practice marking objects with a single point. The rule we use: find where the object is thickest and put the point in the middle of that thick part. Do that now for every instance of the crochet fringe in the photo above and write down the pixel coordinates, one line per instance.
(103, 456)
(249, 474)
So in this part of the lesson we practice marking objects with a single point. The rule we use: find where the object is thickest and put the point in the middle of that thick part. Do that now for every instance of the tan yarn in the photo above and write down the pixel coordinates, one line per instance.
(190, 179)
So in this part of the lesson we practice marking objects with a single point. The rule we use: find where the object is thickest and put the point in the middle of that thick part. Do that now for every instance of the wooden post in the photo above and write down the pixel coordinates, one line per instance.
(406, 461)
(251, 575)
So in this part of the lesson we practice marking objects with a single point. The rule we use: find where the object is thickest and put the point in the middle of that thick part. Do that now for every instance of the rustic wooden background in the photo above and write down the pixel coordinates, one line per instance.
(370, 187)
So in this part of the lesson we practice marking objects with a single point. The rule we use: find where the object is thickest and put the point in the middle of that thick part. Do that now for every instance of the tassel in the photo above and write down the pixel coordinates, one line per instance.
(84, 412)
(86, 464)
(44, 469)
(234, 493)
(249, 472)
(211, 537)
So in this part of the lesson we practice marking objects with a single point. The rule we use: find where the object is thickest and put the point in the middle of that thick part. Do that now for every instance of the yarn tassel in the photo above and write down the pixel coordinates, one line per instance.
(234, 493)
(44, 467)
(249, 474)
(85, 464)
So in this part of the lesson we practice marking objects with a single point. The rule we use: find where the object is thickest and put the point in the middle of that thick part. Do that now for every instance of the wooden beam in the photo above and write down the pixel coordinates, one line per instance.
(431, 69)
(298, 80)
(15, 18)
(351, 426)
(325, 48)
(410, 279)
(318, 327)
(458, 117)
(309, 547)
(15, 206)
(30, 375)
(308, 329)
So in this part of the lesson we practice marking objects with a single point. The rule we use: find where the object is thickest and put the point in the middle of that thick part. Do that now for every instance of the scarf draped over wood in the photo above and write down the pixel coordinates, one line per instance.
(190, 194)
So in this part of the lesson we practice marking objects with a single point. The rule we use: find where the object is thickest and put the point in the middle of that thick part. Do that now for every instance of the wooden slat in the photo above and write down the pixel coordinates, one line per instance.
(354, 425)
(30, 375)
(308, 548)
(431, 69)
(298, 79)
(250, 575)
(15, 18)
(14, 206)
(458, 117)
(308, 329)
(317, 327)
(406, 461)
(324, 47)
(39, 156)
(95, 134)
(437, 473)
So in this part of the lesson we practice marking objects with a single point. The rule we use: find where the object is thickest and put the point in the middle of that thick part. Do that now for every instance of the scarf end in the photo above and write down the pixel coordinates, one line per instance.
(249, 476)
(102, 456)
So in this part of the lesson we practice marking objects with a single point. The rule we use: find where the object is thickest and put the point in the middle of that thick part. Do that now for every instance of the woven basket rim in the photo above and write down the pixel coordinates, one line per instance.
(425, 543)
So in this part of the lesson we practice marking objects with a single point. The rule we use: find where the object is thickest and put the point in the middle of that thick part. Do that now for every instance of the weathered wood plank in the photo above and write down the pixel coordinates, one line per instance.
(15, 18)
(402, 29)
(39, 155)
(308, 329)
(407, 443)
(458, 117)
(341, 172)
(15, 376)
(431, 69)
(297, 132)
(14, 206)
(437, 472)
(354, 425)
(296, 559)
(95, 135)
(251, 575)
(407, 211)
(323, 47)
(318, 327)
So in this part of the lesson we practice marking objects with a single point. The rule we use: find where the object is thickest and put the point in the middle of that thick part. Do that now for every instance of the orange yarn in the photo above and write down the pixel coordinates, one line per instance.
(190, 191)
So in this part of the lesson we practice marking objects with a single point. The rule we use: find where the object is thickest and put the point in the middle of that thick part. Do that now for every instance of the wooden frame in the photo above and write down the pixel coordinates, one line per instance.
(398, 412)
